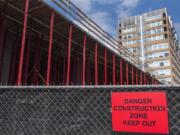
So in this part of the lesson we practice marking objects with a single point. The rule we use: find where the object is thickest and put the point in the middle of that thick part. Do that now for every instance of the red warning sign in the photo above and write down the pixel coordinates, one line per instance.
(140, 112)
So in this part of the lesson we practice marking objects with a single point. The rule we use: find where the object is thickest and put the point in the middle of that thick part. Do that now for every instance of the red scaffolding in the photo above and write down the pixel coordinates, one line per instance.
(62, 47)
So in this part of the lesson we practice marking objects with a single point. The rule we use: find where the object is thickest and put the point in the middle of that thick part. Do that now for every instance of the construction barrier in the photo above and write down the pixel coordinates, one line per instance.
(72, 110)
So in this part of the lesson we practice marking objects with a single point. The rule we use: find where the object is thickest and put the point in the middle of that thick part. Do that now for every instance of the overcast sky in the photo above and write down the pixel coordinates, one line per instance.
(107, 12)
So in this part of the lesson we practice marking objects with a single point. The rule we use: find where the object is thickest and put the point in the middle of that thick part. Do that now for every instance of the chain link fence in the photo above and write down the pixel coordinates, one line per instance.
(70, 110)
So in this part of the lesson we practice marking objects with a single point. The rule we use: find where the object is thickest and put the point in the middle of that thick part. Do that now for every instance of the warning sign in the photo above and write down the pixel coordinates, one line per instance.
(140, 112)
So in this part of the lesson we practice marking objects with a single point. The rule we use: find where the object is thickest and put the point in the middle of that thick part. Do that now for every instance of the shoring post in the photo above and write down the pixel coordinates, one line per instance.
(37, 61)
(48, 75)
(96, 64)
(137, 77)
(114, 69)
(23, 41)
(105, 66)
(154, 82)
(84, 61)
(69, 55)
(132, 71)
(121, 71)
(141, 78)
(127, 73)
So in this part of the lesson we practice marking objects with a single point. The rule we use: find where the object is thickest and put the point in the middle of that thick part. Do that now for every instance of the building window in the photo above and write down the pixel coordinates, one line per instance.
(153, 17)
(166, 54)
(161, 55)
(154, 24)
(129, 36)
(161, 64)
(128, 30)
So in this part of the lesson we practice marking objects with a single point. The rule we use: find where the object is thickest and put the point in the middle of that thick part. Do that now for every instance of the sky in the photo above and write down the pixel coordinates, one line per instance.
(106, 13)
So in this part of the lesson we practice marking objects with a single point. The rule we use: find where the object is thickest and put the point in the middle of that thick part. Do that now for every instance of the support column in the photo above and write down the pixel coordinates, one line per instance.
(137, 77)
(141, 78)
(84, 62)
(96, 64)
(132, 70)
(153, 82)
(48, 76)
(121, 71)
(127, 73)
(69, 56)
(23, 41)
(105, 66)
(114, 69)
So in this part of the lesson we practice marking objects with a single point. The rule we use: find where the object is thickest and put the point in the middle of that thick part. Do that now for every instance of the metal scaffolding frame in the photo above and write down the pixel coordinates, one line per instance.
(65, 21)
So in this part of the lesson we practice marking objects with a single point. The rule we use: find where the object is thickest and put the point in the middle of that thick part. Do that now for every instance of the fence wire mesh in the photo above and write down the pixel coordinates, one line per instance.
(69, 110)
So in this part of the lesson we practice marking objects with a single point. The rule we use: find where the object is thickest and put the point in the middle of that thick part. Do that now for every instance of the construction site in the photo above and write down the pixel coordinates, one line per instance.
(62, 74)
(52, 42)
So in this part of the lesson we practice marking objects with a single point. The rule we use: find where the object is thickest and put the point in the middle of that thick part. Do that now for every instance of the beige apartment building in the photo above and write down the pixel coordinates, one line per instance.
(152, 37)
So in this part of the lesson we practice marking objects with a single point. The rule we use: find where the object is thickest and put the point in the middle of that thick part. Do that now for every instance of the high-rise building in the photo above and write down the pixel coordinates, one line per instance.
(152, 37)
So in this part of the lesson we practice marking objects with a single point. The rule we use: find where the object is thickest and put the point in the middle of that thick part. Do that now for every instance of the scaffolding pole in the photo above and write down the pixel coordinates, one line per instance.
(114, 69)
(69, 55)
(137, 77)
(127, 73)
(84, 62)
(48, 73)
(96, 64)
(141, 78)
(105, 66)
(23, 41)
(121, 71)
(132, 75)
